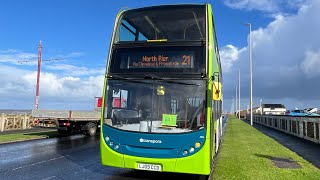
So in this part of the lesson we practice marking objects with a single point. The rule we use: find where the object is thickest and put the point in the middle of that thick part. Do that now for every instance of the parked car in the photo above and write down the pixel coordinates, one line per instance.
(301, 113)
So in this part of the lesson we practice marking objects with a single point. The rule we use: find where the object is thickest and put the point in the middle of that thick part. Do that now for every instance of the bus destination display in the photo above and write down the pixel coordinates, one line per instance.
(171, 59)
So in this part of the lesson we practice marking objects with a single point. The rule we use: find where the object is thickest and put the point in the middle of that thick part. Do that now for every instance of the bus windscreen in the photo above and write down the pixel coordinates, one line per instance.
(173, 23)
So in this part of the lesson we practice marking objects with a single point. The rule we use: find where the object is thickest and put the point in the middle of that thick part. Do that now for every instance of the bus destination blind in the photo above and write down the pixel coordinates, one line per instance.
(171, 59)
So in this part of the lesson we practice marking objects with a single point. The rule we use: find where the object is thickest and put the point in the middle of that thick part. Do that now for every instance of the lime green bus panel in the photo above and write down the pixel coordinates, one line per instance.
(110, 157)
(199, 163)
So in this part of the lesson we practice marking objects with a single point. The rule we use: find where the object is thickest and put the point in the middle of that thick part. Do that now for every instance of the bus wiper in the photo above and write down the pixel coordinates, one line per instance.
(117, 77)
(152, 77)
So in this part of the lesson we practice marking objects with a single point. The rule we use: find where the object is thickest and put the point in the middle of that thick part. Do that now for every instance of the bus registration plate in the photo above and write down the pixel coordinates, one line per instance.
(149, 167)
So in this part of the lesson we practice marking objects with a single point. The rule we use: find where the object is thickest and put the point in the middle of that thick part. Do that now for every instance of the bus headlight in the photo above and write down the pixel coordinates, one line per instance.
(111, 143)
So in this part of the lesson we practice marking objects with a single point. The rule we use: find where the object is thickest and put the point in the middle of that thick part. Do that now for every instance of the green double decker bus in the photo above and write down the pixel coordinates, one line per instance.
(162, 97)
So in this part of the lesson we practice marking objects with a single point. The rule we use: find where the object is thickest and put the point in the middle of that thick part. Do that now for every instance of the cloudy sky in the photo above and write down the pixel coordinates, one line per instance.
(286, 50)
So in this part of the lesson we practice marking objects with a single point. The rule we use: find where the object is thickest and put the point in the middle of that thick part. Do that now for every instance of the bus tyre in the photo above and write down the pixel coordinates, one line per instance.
(91, 129)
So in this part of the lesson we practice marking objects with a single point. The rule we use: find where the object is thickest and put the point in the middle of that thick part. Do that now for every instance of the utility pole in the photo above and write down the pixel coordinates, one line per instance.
(38, 71)
(38, 75)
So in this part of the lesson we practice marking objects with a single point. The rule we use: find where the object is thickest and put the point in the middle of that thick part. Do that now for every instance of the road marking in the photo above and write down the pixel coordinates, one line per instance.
(53, 159)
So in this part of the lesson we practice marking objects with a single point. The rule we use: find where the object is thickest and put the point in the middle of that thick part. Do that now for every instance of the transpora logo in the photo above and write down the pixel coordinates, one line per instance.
(150, 141)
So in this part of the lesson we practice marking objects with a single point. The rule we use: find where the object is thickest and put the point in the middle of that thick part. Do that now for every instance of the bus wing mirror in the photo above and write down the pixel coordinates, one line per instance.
(216, 91)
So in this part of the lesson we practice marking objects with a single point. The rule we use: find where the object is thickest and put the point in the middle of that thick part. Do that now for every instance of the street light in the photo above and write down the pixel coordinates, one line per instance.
(261, 106)
(239, 96)
(250, 48)
(236, 100)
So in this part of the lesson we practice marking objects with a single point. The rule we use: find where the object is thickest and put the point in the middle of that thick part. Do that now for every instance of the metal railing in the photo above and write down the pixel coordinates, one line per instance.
(15, 121)
(304, 127)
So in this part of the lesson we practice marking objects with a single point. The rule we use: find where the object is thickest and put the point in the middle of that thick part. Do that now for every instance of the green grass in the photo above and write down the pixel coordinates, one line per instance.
(245, 154)
(27, 136)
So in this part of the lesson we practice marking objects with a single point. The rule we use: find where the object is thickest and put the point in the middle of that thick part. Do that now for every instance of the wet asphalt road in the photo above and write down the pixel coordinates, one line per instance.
(73, 157)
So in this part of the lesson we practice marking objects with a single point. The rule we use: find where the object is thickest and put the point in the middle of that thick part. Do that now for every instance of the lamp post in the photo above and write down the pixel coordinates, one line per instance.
(239, 96)
(236, 100)
(261, 106)
(250, 48)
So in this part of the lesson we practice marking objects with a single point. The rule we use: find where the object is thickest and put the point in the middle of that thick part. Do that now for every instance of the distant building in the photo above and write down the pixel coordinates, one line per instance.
(275, 109)
(246, 112)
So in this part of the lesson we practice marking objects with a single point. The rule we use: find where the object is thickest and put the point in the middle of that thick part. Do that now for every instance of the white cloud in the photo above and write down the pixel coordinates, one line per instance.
(286, 57)
(269, 6)
(71, 55)
(228, 54)
(311, 64)
(262, 5)
(8, 51)
(15, 56)
(75, 70)
(18, 86)
(62, 86)
(296, 3)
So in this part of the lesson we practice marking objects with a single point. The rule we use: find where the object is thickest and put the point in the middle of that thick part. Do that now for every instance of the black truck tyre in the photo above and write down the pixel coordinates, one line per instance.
(91, 129)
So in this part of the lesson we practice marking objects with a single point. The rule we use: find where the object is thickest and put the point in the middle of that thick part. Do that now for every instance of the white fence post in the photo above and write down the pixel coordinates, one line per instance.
(314, 131)
(319, 130)
(301, 128)
(24, 122)
(2, 119)
(297, 127)
(306, 128)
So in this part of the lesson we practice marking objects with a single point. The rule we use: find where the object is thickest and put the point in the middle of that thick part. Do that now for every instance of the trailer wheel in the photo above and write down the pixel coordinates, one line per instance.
(91, 129)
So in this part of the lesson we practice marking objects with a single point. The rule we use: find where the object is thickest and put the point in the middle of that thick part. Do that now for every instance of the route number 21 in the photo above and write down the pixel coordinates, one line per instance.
(186, 60)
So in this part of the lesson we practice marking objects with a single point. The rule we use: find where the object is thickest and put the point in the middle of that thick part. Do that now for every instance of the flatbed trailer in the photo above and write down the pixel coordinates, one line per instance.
(87, 122)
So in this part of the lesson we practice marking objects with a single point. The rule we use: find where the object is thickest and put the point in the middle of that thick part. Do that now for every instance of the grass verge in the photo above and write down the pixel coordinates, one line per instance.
(7, 138)
(246, 153)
